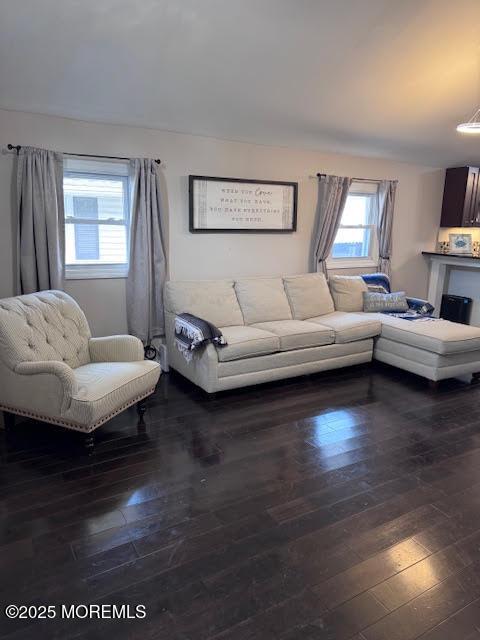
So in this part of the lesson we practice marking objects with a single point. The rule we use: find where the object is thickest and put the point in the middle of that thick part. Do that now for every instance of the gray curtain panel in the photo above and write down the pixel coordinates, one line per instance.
(39, 220)
(332, 195)
(147, 270)
(386, 204)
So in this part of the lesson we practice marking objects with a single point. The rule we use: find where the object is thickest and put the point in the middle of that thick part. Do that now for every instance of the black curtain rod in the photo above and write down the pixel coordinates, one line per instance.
(323, 175)
(12, 147)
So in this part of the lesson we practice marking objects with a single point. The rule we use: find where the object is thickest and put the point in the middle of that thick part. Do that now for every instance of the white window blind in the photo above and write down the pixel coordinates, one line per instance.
(356, 242)
(96, 196)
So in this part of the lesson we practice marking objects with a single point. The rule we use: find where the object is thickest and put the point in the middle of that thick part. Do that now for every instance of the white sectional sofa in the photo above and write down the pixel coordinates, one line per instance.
(288, 326)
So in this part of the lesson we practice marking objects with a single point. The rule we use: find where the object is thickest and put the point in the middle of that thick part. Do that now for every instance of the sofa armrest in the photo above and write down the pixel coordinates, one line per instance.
(202, 370)
(55, 368)
(116, 349)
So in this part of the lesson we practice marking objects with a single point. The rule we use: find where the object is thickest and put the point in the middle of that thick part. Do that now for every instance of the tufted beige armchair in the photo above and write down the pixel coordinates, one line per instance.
(52, 369)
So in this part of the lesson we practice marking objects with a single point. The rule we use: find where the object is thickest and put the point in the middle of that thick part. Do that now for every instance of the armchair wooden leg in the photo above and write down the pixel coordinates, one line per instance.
(8, 425)
(141, 409)
(434, 384)
(89, 443)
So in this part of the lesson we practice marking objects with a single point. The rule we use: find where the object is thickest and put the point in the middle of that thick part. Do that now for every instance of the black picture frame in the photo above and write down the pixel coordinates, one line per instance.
(193, 229)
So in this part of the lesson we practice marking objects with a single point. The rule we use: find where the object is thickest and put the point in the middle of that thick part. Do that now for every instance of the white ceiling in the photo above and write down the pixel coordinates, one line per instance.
(382, 77)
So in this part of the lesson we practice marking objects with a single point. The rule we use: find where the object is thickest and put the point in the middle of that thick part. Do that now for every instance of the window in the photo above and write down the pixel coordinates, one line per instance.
(356, 242)
(96, 197)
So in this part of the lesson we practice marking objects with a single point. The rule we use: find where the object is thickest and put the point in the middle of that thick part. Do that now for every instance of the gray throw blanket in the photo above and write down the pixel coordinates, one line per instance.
(192, 333)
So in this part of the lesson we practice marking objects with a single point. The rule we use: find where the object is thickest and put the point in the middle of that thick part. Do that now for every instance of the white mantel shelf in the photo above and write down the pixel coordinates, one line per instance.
(441, 263)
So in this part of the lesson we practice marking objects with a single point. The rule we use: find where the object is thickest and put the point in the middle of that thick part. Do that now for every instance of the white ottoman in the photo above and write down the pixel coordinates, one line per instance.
(435, 349)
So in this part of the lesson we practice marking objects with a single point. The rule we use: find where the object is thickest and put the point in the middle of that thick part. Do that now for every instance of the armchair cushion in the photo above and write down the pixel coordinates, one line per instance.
(116, 349)
(106, 388)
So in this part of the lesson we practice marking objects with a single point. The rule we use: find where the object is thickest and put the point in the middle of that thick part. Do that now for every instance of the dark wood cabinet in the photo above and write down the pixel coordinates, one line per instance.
(461, 198)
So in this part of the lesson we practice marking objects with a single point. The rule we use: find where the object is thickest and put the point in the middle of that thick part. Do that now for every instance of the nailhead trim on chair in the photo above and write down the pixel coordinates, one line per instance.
(72, 425)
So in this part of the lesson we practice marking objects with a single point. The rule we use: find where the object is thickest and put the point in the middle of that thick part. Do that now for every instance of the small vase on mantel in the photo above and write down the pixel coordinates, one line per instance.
(444, 247)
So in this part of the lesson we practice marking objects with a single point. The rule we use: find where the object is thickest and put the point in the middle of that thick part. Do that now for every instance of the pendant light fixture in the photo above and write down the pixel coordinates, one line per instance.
(472, 126)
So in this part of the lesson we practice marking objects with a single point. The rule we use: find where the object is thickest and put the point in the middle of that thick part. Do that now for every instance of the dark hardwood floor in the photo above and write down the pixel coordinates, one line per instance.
(342, 505)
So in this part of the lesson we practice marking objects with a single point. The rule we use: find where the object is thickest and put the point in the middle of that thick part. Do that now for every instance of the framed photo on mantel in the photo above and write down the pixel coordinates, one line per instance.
(235, 205)
(460, 243)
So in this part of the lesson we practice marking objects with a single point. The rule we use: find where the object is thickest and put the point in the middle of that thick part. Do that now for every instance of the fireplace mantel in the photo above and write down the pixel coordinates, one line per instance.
(441, 264)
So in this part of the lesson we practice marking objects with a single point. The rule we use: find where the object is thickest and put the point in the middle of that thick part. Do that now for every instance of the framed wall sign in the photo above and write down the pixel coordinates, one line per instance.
(235, 205)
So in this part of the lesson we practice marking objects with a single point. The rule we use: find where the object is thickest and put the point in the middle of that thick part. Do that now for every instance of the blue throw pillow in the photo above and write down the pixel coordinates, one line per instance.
(378, 302)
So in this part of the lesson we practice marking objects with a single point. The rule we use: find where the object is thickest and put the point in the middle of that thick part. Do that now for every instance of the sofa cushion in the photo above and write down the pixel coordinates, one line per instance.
(439, 336)
(245, 342)
(298, 334)
(299, 361)
(212, 300)
(349, 327)
(262, 300)
(347, 292)
(308, 295)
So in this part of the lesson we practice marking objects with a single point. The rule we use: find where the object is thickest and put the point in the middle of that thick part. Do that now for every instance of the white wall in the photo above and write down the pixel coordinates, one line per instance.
(217, 255)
